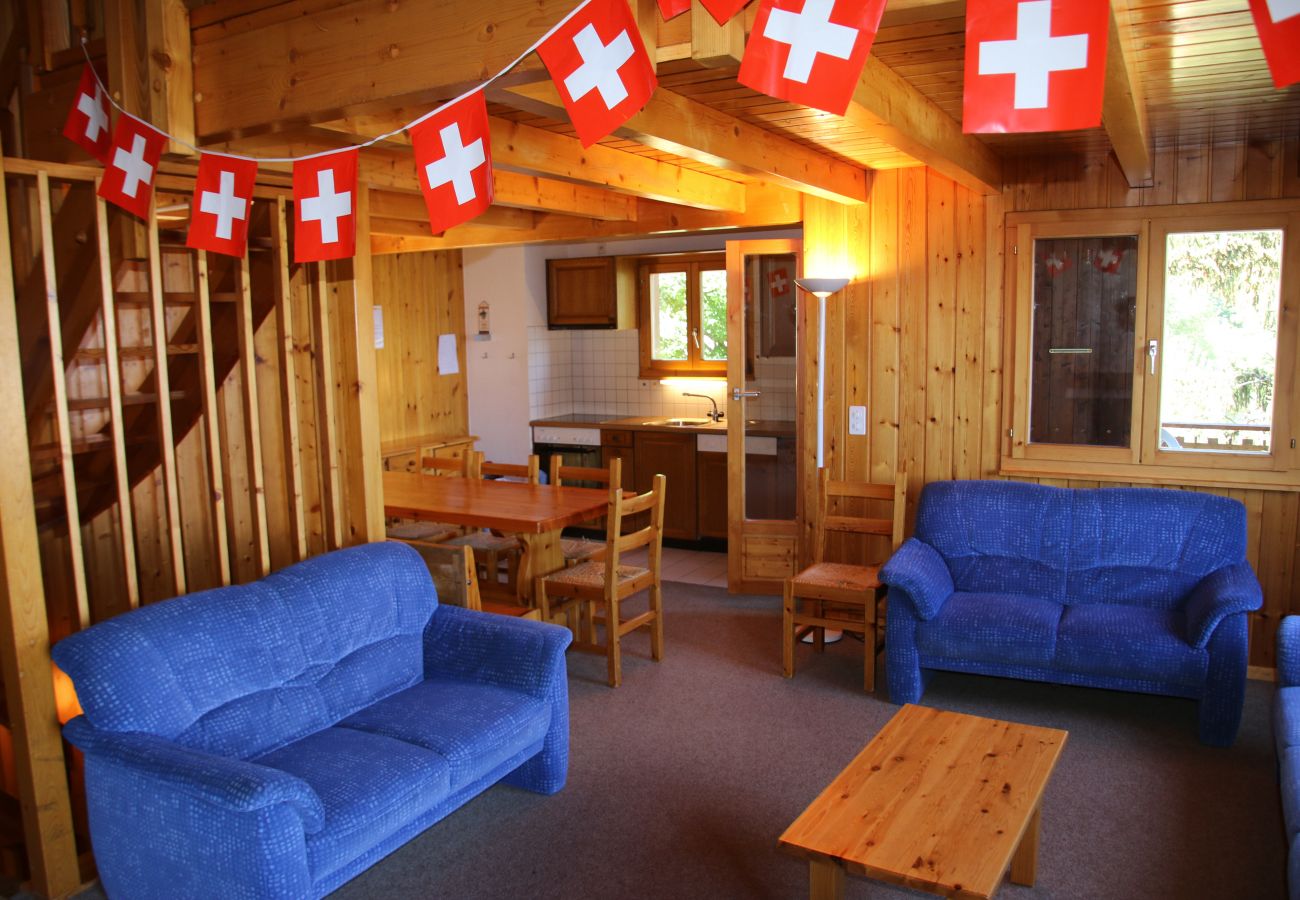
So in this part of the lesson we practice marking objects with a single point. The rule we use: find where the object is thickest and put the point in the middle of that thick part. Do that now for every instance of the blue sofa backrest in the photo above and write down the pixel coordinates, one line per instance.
(240, 670)
(1137, 546)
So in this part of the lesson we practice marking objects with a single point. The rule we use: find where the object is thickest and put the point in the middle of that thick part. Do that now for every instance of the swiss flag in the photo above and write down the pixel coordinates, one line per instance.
(132, 162)
(723, 10)
(1034, 65)
(324, 207)
(223, 198)
(598, 62)
(87, 123)
(810, 52)
(453, 156)
(1278, 24)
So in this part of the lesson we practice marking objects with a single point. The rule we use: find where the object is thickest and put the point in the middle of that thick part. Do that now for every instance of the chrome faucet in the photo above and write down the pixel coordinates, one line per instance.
(715, 415)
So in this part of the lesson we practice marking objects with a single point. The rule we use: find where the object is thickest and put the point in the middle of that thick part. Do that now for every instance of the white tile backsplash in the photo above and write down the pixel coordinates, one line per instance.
(596, 372)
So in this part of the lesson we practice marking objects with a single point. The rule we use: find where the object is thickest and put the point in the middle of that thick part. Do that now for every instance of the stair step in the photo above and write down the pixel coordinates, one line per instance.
(170, 298)
(91, 444)
(85, 403)
(94, 356)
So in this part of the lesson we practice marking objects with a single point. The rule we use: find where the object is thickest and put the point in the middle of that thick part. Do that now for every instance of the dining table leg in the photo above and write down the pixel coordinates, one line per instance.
(541, 555)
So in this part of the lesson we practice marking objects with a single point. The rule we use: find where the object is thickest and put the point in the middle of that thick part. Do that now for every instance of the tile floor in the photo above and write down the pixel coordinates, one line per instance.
(688, 566)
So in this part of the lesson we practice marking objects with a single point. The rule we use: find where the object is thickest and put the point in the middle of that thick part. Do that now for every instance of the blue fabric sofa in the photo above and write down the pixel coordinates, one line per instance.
(277, 738)
(1286, 732)
(1135, 589)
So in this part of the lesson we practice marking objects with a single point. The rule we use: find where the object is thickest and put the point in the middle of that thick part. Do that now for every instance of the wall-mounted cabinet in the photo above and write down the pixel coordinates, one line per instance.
(591, 292)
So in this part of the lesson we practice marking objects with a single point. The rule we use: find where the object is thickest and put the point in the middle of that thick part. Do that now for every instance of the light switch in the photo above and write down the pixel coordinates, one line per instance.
(857, 420)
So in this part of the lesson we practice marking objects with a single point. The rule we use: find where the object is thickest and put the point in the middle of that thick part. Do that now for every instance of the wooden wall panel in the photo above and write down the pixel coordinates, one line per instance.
(930, 366)
(422, 296)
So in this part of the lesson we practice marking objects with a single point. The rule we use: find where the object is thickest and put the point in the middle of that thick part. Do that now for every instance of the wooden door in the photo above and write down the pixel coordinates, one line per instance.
(763, 413)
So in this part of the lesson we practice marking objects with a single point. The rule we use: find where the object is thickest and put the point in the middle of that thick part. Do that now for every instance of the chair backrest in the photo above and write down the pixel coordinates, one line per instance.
(464, 466)
(453, 571)
(530, 471)
(652, 535)
(559, 473)
(830, 519)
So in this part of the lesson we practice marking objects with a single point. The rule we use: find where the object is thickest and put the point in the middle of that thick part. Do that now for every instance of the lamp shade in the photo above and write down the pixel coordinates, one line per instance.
(821, 287)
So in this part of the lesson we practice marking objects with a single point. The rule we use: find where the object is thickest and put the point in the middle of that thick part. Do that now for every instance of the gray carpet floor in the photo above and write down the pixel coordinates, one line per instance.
(681, 781)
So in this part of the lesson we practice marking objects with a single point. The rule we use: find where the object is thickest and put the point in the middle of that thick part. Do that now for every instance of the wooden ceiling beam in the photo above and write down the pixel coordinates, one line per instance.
(675, 124)
(766, 207)
(397, 206)
(1124, 109)
(293, 63)
(888, 108)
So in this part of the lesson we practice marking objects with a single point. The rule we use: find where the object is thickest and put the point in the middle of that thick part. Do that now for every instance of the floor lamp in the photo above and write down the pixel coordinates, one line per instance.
(821, 288)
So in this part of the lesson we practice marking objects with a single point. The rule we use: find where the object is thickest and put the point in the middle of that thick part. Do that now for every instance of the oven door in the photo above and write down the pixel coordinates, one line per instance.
(585, 457)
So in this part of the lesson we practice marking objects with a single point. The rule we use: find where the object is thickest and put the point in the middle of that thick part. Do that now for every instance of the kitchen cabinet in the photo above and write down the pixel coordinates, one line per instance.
(711, 474)
(591, 292)
(672, 455)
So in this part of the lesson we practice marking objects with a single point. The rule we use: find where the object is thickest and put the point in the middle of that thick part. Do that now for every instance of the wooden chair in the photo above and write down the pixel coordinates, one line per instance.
(454, 576)
(434, 532)
(603, 585)
(492, 549)
(577, 549)
(841, 595)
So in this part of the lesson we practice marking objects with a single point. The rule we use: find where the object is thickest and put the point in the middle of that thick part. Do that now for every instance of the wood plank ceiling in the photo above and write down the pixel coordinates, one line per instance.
(1196, 69)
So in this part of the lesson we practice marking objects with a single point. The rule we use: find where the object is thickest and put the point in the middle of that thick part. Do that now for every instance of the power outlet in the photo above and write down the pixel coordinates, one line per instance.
(857, 420)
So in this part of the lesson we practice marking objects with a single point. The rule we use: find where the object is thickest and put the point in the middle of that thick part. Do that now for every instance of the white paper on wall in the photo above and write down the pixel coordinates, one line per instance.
(448, 363)
(379, 326)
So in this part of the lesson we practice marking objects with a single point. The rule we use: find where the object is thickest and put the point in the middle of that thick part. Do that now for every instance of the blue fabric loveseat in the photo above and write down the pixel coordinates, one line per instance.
(1135, 589)
(1286, 732)
(277, 738)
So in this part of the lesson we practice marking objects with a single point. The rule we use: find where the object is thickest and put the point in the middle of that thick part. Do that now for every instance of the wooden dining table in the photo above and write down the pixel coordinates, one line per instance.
(537, 513)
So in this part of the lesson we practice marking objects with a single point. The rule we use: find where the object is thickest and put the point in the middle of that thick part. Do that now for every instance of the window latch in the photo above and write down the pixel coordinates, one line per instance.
(1153, 347)
(695, 333)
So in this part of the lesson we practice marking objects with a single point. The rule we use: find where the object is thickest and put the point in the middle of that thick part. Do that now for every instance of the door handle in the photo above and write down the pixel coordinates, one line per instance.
(738, 394)
(1153, 347)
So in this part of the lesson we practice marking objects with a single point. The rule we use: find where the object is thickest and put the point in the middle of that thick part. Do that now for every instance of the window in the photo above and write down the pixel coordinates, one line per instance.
(683, 315)
(1151, 345)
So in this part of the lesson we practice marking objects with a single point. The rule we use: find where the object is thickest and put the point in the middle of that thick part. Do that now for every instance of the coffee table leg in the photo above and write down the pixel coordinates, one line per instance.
(825, 880)
(1024, 865)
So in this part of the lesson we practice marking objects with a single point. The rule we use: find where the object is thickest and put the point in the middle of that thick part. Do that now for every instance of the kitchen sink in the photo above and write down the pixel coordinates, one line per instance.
(679, 422)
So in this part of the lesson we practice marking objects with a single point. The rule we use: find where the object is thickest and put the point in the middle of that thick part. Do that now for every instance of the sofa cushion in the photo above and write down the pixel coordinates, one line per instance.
(369, 785)
(1128, 642)
(1286, 718)
(240, 670)
(1288, 771)
(475, 727)
(994, 628)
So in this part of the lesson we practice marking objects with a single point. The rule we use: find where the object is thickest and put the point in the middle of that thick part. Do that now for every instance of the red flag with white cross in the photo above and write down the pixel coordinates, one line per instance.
(671, 9)
(87, 122)
(723, 10)
(597, 60)
(132, 162)
(810, 52)
(453, 156)
(1034, 65)
(223, 198)
(324, 207)
(1278, 24)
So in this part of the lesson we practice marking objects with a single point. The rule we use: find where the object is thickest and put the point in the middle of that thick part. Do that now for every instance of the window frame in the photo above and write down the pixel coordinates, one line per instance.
(1144, 460)
(692, 264)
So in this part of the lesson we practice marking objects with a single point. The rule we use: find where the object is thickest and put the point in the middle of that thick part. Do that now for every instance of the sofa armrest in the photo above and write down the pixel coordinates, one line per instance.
(919, 571)
(229, 783)
(500, 650)
(1232, 589)
(1288, 651)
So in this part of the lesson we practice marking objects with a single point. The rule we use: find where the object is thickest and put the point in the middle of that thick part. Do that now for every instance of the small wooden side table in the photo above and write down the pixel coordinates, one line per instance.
(937, 801)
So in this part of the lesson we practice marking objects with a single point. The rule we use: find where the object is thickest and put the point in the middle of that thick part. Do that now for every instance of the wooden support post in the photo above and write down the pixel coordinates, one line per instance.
(162, 382)
(123, 31)
(288, 382)
(712, 45)
(77, 561)
(252, 423)
(327, 428)
(25, 664)
(361, 444)
(211, 419)
(108, 313)
(170, 72)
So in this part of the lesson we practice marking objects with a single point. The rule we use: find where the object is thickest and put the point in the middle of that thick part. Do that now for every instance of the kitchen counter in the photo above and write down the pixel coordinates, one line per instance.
(754, 428)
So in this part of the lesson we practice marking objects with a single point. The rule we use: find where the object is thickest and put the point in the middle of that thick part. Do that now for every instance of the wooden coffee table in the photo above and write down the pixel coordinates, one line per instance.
(937, 801)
